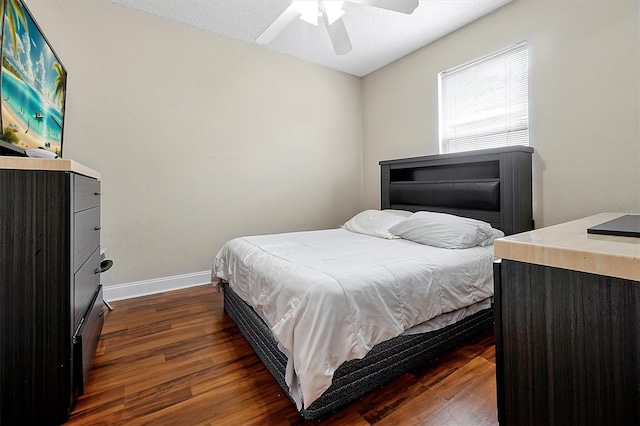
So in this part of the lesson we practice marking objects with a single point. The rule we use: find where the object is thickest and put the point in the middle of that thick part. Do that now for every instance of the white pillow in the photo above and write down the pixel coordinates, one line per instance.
(403, 213)
(374, 222)
(442, 230)
(496, 234)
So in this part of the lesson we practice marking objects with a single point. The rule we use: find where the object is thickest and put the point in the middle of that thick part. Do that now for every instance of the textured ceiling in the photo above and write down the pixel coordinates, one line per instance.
(378, 36)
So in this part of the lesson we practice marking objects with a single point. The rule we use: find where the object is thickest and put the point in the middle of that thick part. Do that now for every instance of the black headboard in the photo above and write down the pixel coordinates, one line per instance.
(493, 185)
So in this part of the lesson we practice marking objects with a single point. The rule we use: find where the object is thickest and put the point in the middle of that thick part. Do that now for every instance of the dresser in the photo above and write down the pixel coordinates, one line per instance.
(568, 326)
(51, 310)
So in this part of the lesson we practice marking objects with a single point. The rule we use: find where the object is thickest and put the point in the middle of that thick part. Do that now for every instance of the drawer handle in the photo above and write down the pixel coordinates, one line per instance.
(97, 228)
(105, 265)
(98, 193)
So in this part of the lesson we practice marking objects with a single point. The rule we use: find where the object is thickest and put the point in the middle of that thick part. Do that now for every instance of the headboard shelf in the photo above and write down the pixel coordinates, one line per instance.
(484, 169)
(493, 185)
(418, 182)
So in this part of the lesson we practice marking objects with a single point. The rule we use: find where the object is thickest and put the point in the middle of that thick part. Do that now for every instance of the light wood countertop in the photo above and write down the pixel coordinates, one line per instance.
(57, 164)
(569, 246)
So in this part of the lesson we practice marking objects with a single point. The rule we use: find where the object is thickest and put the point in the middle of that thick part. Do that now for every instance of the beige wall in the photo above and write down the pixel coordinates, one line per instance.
(199, 138)
(584, 104)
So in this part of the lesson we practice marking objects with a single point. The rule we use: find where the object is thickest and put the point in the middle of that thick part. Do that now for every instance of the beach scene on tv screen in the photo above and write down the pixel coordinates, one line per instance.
(33, 84)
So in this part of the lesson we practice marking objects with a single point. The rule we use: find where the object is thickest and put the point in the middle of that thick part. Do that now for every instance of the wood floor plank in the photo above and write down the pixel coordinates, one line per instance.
(118, 372)
(472, 392)
(152, 400)
(391, 397)
(170, 371)
(468, 376)
(177, 359)
(438, 369)
(101, 400)
(415, 410)
(489, 354)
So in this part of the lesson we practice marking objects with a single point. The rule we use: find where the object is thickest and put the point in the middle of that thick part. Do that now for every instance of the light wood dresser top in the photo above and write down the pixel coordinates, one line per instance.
(569, 246)
(54, 164)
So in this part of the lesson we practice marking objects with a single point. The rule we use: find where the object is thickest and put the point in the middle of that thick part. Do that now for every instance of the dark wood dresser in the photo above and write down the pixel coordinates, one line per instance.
(568, 326)
(51, 310)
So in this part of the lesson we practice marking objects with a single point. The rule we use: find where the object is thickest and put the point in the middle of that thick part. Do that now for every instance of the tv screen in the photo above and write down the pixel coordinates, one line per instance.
(33, 83)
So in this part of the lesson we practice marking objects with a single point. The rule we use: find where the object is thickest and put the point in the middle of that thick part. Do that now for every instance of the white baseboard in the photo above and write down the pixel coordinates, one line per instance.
(157, 285)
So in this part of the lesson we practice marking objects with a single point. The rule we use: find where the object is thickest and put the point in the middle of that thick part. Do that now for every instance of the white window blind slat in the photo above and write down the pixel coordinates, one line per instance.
(484, 104)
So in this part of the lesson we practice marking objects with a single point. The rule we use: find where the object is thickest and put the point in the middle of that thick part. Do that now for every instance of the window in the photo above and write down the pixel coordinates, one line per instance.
(484, 103)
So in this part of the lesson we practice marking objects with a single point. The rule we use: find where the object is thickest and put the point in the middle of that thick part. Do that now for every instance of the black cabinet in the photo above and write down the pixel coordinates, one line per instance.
(567, 346)
(50, 294)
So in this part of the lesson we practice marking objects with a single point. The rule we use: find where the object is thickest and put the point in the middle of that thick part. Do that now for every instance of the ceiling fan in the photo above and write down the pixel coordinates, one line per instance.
(328, 13)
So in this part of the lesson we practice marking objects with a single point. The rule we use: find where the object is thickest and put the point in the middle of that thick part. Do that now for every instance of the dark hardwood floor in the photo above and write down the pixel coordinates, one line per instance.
(176, 359)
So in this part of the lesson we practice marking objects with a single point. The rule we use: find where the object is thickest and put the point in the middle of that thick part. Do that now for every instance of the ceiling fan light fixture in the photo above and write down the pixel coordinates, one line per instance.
(309, 11)
(331, 13)
(333, 9)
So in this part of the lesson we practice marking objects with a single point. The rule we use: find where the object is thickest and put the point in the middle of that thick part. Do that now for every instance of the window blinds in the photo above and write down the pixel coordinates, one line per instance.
(484, 104)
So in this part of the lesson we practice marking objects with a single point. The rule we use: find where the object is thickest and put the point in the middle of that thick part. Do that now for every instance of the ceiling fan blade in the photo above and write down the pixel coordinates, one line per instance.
(403, 6)
(338, 35)
(278, 25)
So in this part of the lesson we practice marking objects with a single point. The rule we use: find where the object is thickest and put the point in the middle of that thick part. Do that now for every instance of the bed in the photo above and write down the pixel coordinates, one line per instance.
(302, 307)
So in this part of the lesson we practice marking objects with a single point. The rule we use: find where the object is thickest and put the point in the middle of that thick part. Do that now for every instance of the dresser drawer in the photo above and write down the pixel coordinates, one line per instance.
(86, 283)
(85, 342)
(87, 193)
(86, 235)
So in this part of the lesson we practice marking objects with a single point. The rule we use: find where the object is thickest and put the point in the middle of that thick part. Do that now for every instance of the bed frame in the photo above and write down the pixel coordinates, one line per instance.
(491, 185)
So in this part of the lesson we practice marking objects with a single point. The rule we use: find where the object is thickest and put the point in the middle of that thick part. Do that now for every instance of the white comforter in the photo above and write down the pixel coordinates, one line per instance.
(330, 296)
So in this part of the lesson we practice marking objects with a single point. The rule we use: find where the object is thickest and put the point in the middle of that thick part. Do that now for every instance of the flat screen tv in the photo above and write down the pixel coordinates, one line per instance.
(33, 83)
